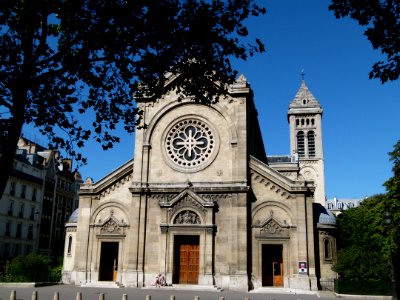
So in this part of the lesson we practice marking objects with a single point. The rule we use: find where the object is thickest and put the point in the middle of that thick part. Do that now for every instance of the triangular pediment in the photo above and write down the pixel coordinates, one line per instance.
(187, 197)
(111, 226)
(264, 174)
(271, 222)
(171, 81)
(272, 228)
(109, 182)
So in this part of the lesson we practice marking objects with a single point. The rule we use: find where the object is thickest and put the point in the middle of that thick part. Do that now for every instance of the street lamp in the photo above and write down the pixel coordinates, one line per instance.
(388, 219)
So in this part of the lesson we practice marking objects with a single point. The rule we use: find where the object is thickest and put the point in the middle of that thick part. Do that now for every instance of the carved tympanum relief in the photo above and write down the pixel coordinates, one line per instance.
(187, 217)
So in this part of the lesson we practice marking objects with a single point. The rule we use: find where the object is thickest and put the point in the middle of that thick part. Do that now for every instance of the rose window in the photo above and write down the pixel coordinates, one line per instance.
(189, 143)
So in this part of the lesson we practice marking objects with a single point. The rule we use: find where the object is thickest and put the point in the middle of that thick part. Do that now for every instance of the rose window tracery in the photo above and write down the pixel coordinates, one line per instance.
(189, 143)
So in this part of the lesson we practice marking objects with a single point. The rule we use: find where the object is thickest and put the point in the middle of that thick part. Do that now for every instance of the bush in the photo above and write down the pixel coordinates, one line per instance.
(31, 268)
(363, 287)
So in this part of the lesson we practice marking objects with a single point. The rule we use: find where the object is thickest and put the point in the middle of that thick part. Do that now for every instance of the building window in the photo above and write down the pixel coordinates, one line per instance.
(21, 210)
(30, 232)
(327, 249)
(32, 215)
(23, 191)
(330, 206)
(300, 144)
(6, 251)
(18, 234)
(8, 229)
(311, 143)
(10, 208)
(12, 188)
(34, 192)
(69, 245)
(339, 205)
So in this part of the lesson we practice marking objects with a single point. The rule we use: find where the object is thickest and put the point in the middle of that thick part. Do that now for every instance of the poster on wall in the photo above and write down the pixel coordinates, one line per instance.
(303, 269)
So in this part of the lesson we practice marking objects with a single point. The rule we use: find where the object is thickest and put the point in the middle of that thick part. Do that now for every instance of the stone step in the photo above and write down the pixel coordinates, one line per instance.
(192, 287)
(103, 284)
(281, 290)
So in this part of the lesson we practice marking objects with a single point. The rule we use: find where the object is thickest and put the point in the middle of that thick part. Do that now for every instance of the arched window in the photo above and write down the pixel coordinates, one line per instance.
(311, 143)
(297, 122)
(69, 245)
(300, 143)
(327, 249)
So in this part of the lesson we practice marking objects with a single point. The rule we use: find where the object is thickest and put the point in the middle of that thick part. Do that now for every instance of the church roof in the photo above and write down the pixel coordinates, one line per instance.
(305, 100)
(325, 216)
(74, 217)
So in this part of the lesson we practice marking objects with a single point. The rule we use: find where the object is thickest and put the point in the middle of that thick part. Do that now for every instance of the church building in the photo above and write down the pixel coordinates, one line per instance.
(203, 204)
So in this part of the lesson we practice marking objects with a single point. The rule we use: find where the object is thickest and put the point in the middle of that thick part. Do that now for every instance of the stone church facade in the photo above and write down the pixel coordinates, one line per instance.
(202, 203)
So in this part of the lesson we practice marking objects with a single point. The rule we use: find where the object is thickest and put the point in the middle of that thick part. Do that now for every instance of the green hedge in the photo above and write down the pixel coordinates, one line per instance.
(363, 287)
(31, 268)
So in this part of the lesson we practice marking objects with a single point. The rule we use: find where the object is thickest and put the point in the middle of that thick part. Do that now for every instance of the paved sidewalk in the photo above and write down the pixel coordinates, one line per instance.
(68, 292)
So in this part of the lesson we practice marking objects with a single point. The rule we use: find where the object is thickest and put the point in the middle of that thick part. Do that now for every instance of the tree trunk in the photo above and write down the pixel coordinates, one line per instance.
(19, 87)
(13, 133)
(8, 152)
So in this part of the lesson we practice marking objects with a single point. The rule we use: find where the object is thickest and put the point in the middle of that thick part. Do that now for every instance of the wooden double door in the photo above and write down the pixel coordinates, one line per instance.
(186, 259)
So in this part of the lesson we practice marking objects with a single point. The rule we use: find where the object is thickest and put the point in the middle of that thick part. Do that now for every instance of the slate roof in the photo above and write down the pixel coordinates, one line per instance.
(325, 216)
(74, 216)
(304, 94)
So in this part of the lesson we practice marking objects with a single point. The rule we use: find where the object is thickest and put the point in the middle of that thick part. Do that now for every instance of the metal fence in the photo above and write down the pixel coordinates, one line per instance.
(328, 284)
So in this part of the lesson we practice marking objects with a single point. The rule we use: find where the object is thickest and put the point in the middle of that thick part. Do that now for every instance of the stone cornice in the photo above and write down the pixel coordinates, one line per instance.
(108, 183)
(276, 180)
(196, 187)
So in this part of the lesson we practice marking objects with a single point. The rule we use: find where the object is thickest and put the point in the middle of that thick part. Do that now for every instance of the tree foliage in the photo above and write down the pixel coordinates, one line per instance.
(393, 196)
(63, 58)
(363, 242)
(382, 19)
(393, 208)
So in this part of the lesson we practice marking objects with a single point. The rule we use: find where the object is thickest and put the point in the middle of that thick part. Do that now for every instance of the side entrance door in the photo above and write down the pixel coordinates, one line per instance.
(186, 259)
(108, 269)
(272, 265)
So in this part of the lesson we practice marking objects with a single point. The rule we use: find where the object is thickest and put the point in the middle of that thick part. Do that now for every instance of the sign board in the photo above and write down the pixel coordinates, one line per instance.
(303, 268)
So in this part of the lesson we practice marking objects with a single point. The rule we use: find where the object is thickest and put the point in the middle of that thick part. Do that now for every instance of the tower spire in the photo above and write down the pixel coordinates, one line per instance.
(302, 74)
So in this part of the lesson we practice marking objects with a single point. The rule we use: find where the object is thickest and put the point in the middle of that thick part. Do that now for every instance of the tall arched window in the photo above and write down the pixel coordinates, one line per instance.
(311, 143)
(327, 249)
(300, 144)
(69, 245)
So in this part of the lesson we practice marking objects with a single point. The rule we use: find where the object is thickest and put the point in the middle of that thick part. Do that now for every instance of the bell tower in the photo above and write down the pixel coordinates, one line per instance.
(305, 121)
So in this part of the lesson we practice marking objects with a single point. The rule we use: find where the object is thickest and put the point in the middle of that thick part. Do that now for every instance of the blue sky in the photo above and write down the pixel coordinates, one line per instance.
(360, 120)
